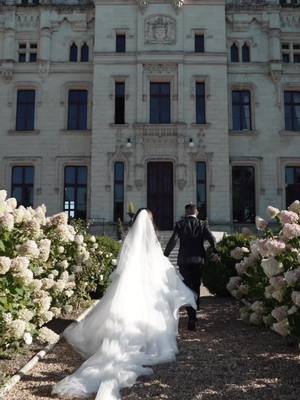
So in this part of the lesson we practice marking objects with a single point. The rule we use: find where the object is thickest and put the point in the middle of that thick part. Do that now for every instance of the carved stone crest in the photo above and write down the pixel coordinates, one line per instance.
(143, 4)
(177, 4)
(160, 29)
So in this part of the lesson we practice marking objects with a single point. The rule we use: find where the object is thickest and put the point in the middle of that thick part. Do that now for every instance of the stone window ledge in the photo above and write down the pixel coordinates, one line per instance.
(244, 133)
(112, 125)
(202, 126)
(14, 132)
(289, 133)
(67, 132)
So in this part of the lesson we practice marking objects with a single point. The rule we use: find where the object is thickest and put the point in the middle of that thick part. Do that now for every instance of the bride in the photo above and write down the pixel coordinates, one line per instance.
(134, 325)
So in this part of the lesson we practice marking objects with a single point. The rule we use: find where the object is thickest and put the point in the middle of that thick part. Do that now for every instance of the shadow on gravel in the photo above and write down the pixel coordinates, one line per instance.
(224, 360)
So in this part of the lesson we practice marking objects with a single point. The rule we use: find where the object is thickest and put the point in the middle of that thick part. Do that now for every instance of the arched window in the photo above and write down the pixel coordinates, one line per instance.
(73, 53)
(246, 53)
(234, 53)
(84, 57)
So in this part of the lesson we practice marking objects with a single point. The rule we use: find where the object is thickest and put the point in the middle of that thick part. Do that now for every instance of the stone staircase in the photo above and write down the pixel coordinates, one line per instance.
(164, 237)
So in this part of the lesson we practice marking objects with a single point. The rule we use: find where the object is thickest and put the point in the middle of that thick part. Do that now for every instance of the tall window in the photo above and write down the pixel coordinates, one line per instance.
(292, 110)
(160, 103)
(120, 43)
(73, 53)
(84, 54)
(201, 189)
(246, 53)
(75, 192)
(77, 114)
(27, 52)
(200, 103)
(119, 191)
(243, 194)
(199, 43)
(241, 110)
(25, 110)
(22, 185)
(292, 184)
(234, 53)
(285, 51)
(120, 103)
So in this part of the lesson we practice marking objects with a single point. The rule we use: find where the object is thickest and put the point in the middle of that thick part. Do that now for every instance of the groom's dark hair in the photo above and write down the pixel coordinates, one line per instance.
(190, 209)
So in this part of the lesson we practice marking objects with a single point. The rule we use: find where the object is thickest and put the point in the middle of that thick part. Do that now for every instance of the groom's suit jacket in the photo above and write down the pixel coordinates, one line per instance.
(192, 234)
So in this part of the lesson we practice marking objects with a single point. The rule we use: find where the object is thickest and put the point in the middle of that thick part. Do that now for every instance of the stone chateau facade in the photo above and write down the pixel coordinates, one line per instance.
(154, 102)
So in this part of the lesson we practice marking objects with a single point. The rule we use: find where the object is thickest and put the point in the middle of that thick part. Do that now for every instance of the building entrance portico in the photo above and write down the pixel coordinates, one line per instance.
(160, 193)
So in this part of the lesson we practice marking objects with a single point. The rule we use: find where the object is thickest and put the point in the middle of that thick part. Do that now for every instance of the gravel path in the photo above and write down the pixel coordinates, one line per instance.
(223, 360)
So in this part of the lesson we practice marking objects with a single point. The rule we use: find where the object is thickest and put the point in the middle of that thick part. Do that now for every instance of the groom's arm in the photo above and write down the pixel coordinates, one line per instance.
(172, 242)
(207, 235)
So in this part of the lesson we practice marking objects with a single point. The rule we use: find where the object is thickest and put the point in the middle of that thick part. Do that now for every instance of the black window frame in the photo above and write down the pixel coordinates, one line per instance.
(292, 104)
(158, 100)
(201, 181)
(78, 214)
(292, 190)
(119, 202)
(241, 104)
(234, 53)
(26, 108)
(79, 105)
(241, 194)
(200, 90)
(73, 53)
(84, 53)
(121, 43)
(246, 55)
(25, 186)
(119, 103)
(199, 43)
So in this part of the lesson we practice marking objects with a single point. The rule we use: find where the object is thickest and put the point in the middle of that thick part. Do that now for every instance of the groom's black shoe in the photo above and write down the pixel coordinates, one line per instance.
(192, 325)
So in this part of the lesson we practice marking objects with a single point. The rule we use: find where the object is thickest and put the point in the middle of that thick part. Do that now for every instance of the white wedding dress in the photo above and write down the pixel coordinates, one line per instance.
(134, 325)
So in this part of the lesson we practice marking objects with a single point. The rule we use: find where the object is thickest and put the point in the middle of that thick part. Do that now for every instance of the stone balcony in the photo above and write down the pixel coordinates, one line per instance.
(160, 130)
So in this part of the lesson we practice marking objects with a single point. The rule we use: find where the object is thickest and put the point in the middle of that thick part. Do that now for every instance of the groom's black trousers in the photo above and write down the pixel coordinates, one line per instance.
(192, 274)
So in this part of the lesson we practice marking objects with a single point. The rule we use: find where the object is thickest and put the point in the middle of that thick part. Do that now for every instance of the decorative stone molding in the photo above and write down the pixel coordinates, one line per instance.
(159, 130)
(290, 20)
(160, 29)
(27, 20)
(7, 74)
(143, 4)
(161, 68)
(44, 69)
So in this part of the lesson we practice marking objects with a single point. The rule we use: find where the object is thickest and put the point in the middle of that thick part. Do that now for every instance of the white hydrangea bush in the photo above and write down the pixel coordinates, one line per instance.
(42, 260)
(268, 277)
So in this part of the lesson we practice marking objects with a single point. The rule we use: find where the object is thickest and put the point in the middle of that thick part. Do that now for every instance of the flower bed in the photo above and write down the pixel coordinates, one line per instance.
(45, 266)
(268, 280)
(216, 274)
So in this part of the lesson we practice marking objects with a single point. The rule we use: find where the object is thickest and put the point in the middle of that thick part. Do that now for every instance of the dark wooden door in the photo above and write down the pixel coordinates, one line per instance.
(160, 198)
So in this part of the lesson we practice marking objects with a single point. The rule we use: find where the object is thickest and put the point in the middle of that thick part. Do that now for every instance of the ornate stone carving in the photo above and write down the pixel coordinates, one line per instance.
(161, 68)
(27, 20)
(291, 21)
(143, 4)
(160, 29)
(177, 4)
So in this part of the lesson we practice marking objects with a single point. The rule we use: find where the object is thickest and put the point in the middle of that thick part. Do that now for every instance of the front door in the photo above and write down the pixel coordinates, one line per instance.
(160, 195)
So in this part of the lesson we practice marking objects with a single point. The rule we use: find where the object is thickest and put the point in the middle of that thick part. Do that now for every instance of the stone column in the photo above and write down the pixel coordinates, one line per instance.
(274, 45)
(140, 117)
(181, 93)
(45, 44)
(9, 53)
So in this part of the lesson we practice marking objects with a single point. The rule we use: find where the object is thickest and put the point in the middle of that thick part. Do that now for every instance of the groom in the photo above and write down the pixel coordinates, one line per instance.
(192, 234)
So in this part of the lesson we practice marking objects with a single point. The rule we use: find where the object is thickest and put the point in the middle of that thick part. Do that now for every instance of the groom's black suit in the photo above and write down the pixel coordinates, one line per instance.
(192, 234)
